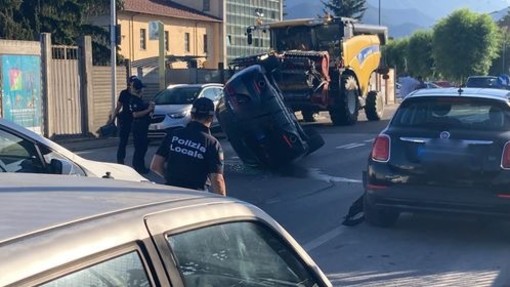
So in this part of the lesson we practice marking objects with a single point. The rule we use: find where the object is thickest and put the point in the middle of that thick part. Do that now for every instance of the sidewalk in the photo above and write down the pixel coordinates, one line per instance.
(86, 143)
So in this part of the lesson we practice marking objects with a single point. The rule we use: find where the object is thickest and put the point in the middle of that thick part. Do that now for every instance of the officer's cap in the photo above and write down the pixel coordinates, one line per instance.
(131, 79)
(203, 106)
(138, 84)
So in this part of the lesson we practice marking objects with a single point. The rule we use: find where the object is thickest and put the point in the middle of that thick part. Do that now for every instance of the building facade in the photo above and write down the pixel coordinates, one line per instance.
(210, 31)
(240, 14)
(237, 16)
(190, 35)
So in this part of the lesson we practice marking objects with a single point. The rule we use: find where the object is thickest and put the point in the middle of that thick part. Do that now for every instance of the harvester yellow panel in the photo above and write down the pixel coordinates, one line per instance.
(362, 54)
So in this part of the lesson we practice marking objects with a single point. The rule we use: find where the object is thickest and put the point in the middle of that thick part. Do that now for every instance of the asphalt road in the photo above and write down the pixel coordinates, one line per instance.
(310, 198)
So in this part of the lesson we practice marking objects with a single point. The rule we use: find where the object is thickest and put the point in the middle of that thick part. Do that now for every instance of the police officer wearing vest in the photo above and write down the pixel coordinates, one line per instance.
(141, 119)
(189, 156)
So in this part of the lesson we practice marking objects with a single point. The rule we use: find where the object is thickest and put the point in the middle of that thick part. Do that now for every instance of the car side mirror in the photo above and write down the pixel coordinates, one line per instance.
(59, 166)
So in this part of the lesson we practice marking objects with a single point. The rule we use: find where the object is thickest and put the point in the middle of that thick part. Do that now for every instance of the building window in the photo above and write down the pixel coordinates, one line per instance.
(205, 44)
(187, 47)
(143, 39)
(207, 5)
(167, 43)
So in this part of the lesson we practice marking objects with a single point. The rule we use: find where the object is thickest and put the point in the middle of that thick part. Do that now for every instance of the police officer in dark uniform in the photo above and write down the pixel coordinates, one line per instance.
(189, 156)
(124, 119)
(141, 119)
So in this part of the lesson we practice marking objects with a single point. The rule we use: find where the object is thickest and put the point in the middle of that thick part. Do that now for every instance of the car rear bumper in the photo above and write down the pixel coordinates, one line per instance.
(438, 199)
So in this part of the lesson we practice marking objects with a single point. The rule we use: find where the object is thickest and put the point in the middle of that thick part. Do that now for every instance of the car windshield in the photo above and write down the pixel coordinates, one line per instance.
(453, 112)
(177, 96)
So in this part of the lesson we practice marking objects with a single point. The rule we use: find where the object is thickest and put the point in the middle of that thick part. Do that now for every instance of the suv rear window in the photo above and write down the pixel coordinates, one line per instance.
(452, 112)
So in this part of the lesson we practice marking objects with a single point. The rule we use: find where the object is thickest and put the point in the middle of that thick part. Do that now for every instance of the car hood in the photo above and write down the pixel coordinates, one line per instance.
(93, 168)
(117, 171)
(170, 109)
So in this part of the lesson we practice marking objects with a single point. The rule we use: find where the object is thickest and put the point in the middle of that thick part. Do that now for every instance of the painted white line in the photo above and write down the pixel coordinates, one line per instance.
(369, 141)
(316, 173)
(323, 238)
(355, 146)
(349, 146)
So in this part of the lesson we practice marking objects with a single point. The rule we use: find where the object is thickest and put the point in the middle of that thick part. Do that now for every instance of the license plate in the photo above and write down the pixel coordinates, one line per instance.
(153, 127)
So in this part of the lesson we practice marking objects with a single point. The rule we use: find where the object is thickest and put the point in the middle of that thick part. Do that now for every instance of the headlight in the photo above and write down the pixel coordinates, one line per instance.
(178, 115)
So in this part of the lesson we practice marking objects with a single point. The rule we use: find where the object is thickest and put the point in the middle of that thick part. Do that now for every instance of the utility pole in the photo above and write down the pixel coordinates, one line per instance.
(113, 52)
(504, 50)
(379, 12)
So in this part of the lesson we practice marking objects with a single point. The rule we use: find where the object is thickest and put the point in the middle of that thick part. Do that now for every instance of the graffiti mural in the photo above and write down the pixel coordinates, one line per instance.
(21, 90)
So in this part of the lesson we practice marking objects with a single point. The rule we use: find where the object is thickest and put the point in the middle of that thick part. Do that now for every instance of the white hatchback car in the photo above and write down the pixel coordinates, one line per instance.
(24, 151)
(173, 106)
(95, 232)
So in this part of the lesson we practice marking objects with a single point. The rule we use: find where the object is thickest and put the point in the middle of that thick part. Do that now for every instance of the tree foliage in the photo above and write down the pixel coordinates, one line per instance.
(465, 43)
(502, 63)
(346, 8)
(66, 20)
(13, 25)
(419, 54)
(395, 54)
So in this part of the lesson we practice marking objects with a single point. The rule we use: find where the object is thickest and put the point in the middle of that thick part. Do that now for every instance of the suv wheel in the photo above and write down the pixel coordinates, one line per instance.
(315, 140)
(377, 216)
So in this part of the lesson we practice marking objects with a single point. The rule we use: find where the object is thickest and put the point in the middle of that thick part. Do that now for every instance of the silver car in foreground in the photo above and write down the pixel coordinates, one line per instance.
(74, 231)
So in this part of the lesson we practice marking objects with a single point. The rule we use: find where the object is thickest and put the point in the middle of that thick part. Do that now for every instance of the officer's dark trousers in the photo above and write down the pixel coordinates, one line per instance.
(124, 130)
(141, 143)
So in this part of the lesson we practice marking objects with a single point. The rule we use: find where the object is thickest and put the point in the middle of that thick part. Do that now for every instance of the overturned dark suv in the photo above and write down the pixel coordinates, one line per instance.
(260, 127)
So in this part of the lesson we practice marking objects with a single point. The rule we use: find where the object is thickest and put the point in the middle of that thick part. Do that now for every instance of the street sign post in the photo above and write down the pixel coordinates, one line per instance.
(157, 32)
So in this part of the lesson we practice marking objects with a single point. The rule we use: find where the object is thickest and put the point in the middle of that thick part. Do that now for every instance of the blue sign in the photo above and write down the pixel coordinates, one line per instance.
(21, 90)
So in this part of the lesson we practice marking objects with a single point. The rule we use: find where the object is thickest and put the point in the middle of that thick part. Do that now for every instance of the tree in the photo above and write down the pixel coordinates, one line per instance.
(346, 8)
(13, 25)
(464, 44)
(501, 65)
(395, 54)
(66, 20)
(420, 61)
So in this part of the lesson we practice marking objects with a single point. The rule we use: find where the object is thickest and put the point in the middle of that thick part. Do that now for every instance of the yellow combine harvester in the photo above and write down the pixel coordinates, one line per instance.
(328, 64)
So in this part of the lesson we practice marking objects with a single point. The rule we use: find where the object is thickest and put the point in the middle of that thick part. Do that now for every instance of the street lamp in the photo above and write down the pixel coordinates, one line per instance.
(379, 12)
(504, 49)
(113, 52)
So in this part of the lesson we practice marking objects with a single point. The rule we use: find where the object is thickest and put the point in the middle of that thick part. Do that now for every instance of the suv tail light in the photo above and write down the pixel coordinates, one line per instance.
(381, 148)
(505, 160)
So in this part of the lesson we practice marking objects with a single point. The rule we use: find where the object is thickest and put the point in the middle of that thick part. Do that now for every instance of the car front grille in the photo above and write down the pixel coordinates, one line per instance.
(157, 119)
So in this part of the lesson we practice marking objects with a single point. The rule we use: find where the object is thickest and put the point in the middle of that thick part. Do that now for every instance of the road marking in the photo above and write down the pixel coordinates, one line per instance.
(369, 141)
(350, 146)
(323, 238)
(316, 173)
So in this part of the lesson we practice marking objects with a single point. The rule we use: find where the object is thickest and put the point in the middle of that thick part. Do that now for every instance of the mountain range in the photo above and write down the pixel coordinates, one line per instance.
(403, 17)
